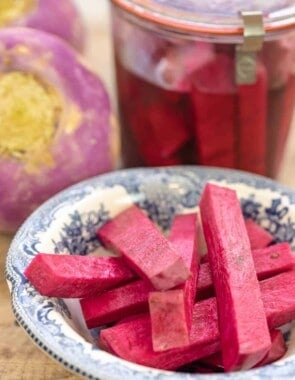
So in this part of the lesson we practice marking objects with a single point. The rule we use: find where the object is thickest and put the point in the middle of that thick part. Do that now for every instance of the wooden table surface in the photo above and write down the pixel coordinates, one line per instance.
(20, 359)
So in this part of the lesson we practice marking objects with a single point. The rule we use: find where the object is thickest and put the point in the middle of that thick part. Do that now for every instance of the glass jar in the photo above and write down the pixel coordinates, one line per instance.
(205, 83)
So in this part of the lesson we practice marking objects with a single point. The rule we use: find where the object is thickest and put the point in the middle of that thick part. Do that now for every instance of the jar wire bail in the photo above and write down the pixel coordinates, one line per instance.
(246, 53)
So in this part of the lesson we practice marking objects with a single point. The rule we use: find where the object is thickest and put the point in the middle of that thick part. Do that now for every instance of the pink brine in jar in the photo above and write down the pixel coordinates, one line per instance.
(205, 83)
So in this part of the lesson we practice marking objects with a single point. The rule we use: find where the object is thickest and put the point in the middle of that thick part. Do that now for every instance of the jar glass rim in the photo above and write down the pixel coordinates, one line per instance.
(182, 21)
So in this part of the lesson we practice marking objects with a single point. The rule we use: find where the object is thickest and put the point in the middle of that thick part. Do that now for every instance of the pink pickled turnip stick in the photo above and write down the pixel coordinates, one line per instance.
(168, 126)
(268, 262)
(139, 143)
(252, 130)
(74, 276)
(157, 126)
(214, 101)
(116, 304)
(183, 236)
(151, 148)
(169, 324)
(258, 236)
(244, 340)
(273, 260)
(171, 311)
(132, 340)
(133, 235)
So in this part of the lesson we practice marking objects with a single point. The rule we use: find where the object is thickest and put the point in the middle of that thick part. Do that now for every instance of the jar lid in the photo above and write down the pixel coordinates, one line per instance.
(212, 17)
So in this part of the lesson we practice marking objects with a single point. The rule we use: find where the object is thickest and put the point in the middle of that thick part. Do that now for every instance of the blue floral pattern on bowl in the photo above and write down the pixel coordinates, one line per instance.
(67, 223)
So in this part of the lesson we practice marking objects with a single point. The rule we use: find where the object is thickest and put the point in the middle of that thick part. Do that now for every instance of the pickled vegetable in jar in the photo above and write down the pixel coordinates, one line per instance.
(205, 83)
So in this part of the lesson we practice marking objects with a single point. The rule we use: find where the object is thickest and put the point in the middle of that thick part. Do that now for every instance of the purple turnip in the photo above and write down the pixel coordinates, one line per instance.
(134, 236)
(55, 122)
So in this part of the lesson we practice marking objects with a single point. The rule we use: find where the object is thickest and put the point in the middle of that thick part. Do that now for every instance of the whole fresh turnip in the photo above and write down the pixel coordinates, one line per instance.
(55, 122)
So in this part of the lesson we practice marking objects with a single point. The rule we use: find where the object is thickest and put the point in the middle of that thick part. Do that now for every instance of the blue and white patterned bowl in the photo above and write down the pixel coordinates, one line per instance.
(67, 224)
